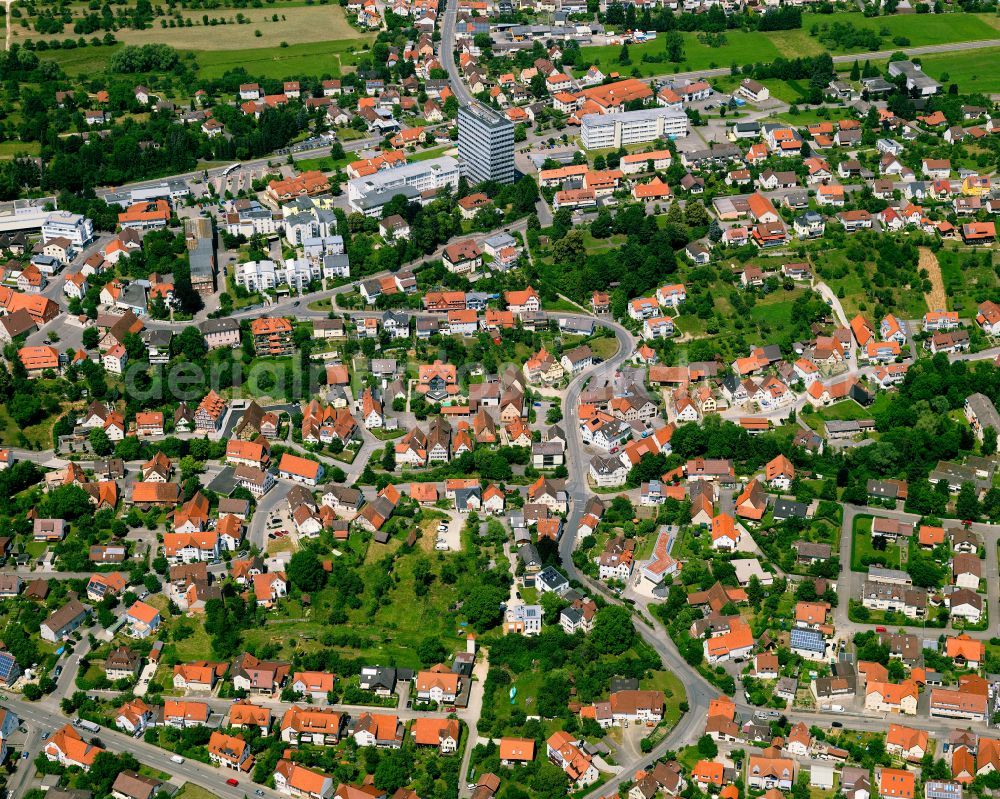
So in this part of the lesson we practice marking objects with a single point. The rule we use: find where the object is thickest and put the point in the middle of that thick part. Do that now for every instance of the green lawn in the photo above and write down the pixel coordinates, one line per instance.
(673, 689)
(195, 647)
(845, 411)
(775, 309)
(644, 549)
(563, 305)
(323, 163)
(598, 245)
(192, 791)
(388, 630)
(789, 91)
(849, 271)
(39, 436)
(8, 149)
(604, 347)
(35, 548)
(861, 546)
(968, 279)
(426, 155)
(810, 116)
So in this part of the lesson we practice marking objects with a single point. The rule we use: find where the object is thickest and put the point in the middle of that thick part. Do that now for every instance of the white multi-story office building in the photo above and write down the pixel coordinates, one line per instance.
(631, 127)
(63, 224)
(485, 144)
(370, 193)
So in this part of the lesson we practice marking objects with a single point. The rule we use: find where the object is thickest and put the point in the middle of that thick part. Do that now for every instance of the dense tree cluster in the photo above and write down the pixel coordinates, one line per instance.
(648, 250)
(715, 20)
(144, 58)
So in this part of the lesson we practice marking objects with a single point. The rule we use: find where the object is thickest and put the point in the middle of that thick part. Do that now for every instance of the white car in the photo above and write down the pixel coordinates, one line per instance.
(440, 546)
(442, 528)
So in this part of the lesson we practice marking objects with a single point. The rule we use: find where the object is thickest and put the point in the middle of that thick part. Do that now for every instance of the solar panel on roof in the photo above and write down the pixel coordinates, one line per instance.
(8, 665)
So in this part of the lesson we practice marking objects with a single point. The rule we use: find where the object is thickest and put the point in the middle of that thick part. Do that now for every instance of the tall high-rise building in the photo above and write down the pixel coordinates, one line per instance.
(485, 144)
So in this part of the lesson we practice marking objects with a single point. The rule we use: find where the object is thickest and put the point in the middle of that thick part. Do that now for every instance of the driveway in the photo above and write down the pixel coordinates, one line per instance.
(142, 685)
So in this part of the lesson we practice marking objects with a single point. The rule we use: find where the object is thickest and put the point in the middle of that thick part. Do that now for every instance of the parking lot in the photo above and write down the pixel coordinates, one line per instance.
(449, 534)
(281, 529)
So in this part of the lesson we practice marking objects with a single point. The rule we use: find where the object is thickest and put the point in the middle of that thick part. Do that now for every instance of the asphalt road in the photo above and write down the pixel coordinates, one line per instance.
(447, 53)
(45, 717)
(200, 174)
(699, 691)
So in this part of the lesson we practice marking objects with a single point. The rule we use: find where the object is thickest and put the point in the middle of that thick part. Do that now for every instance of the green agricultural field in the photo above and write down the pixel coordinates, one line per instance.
(315, 58)
(755, 47)
(310, 58)
(83, 61)
(974, 70)
(920, 29)
(740, 47)
(303, 24)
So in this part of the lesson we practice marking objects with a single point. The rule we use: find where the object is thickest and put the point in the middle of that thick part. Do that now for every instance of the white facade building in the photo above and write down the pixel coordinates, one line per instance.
(631, 127)
(63, 224)
(368, 194)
